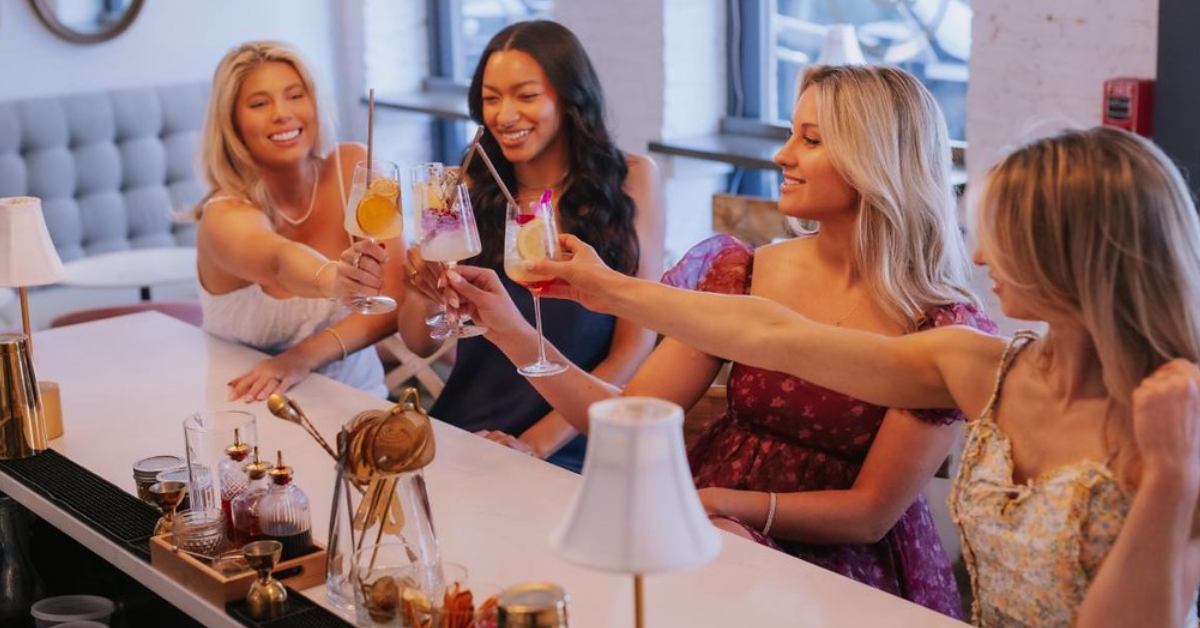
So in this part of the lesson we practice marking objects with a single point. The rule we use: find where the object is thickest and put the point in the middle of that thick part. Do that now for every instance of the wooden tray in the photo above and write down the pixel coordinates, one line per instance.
(298, 573)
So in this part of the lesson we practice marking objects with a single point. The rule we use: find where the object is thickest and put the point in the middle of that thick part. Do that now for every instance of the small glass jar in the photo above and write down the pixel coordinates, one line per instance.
(284, 513)
(243, 508)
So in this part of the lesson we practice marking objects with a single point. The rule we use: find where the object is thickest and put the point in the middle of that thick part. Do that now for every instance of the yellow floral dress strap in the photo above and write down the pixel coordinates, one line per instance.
(1019, 341)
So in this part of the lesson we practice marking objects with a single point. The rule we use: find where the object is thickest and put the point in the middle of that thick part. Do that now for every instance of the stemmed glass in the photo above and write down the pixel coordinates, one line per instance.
(167, 495)
(445, 225)
(530, 236)
(374, 214)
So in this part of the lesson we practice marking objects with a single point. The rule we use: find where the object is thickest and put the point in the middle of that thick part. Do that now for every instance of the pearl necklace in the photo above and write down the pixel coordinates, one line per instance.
(312, 202)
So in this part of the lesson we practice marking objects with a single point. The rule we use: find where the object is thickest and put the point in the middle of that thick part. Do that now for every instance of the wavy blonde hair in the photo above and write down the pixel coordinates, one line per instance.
(887, 137)
(226, 163)
(1099, 226)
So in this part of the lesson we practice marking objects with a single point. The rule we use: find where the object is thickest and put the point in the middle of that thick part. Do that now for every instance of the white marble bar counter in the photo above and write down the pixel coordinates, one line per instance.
(127, 383)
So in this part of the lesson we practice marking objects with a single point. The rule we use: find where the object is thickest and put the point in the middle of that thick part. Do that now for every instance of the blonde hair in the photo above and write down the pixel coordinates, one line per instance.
(886, 136)
(225, 161)
(1099, 225)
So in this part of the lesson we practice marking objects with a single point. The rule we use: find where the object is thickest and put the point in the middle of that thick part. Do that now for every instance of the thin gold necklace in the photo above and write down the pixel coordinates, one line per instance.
(521, 185)
(845, 317)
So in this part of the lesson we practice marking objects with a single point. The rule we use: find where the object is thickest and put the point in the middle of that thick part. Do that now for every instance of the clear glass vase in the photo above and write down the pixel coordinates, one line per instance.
(384, 510)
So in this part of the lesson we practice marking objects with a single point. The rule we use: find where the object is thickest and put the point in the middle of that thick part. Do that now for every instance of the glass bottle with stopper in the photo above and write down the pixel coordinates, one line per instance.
(283, 512)
(244, 508)
(232, 471)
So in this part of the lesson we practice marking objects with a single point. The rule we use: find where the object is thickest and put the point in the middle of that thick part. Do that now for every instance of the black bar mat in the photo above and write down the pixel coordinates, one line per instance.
(119, 516)
(298, 612)
(129, 522)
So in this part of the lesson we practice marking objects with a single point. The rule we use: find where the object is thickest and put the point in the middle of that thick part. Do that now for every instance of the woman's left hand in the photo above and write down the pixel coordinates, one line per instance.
(275, 374)
(508, 440)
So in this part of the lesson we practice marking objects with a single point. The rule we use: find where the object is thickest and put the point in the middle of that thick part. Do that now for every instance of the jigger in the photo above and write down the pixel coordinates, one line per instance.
(167, 495)
(267, 595)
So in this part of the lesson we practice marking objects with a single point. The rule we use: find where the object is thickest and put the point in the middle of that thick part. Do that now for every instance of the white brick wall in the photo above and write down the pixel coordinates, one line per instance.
(385, 45)
(624, 39)
(662, 63)
(1038, 66)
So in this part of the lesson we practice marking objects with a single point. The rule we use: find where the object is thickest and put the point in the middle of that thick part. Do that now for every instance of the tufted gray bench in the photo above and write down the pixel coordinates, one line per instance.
(112, 169)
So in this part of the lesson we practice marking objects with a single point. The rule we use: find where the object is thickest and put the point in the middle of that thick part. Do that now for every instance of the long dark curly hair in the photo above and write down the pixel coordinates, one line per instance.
(593, 206)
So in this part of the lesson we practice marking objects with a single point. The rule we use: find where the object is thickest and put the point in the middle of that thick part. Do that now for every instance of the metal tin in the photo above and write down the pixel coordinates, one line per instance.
(146, 470)
(533, 605)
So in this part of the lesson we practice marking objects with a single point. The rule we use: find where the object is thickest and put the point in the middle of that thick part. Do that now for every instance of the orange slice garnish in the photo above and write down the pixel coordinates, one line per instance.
(375, 214)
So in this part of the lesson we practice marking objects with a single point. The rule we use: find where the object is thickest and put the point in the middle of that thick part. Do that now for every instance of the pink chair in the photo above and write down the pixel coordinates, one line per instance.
(185, 311)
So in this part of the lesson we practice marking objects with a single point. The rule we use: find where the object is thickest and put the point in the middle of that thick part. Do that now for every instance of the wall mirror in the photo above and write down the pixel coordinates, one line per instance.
(87, 21)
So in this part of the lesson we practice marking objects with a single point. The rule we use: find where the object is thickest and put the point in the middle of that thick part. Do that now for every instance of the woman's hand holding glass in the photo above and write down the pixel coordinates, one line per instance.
(360, 271)
(479, 293)
(582, 275)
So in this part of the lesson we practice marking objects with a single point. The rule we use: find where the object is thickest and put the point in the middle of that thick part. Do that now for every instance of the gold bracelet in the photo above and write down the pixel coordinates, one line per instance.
(317, 275)
(338, 338)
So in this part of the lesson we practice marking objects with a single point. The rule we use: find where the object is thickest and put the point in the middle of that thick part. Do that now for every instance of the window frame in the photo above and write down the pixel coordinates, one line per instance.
(752, 95)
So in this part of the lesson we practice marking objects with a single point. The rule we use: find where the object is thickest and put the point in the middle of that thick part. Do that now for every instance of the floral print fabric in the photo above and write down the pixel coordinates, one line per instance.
(1032, 549)
(784, 434)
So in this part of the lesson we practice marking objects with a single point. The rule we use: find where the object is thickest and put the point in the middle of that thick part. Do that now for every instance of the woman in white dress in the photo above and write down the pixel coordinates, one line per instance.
(272, 224)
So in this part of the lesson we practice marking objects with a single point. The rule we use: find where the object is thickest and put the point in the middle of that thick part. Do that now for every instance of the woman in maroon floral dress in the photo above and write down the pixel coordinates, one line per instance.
(822, 476)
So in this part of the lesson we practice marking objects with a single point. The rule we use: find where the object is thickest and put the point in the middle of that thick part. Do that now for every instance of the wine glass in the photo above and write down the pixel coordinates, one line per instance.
(530, 236)
(374, 214)
(422, 176)
(446, 231)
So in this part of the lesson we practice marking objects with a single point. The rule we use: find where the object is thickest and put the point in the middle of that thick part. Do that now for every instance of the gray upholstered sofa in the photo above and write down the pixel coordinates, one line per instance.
(112, 169)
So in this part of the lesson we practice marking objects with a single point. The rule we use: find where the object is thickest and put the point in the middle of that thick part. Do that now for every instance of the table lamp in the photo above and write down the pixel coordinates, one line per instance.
(841, 47)
(637, 510)
(28, 258)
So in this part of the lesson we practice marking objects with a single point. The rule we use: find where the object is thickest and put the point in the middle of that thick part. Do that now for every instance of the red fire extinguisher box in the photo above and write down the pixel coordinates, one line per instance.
(1129, 104)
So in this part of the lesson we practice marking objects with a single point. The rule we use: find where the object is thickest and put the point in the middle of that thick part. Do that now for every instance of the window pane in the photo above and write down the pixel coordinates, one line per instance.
(930, 38)
(481, 19)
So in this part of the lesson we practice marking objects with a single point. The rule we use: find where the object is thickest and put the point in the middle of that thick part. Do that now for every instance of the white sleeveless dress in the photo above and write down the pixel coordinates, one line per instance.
(254, 318)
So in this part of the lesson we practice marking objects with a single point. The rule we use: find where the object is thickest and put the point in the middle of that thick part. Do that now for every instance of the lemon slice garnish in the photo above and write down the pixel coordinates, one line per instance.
(531, 240)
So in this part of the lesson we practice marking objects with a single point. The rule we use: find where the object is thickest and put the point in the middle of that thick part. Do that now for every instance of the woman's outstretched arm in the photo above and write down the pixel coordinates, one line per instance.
(947, 367)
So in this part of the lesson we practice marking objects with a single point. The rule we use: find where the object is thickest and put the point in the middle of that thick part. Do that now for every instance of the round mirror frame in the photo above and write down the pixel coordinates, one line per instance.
(46, 14)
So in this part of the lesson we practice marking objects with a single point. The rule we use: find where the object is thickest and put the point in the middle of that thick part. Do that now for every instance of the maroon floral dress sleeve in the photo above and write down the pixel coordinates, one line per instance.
(719, 264)
(942, 316)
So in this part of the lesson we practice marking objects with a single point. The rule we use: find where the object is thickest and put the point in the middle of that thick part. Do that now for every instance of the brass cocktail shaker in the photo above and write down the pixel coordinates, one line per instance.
(22, 420)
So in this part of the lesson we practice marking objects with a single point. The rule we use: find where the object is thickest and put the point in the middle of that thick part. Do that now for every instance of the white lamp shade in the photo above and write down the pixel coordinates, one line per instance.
(637, 510)
(841, 47)
(27, 256)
